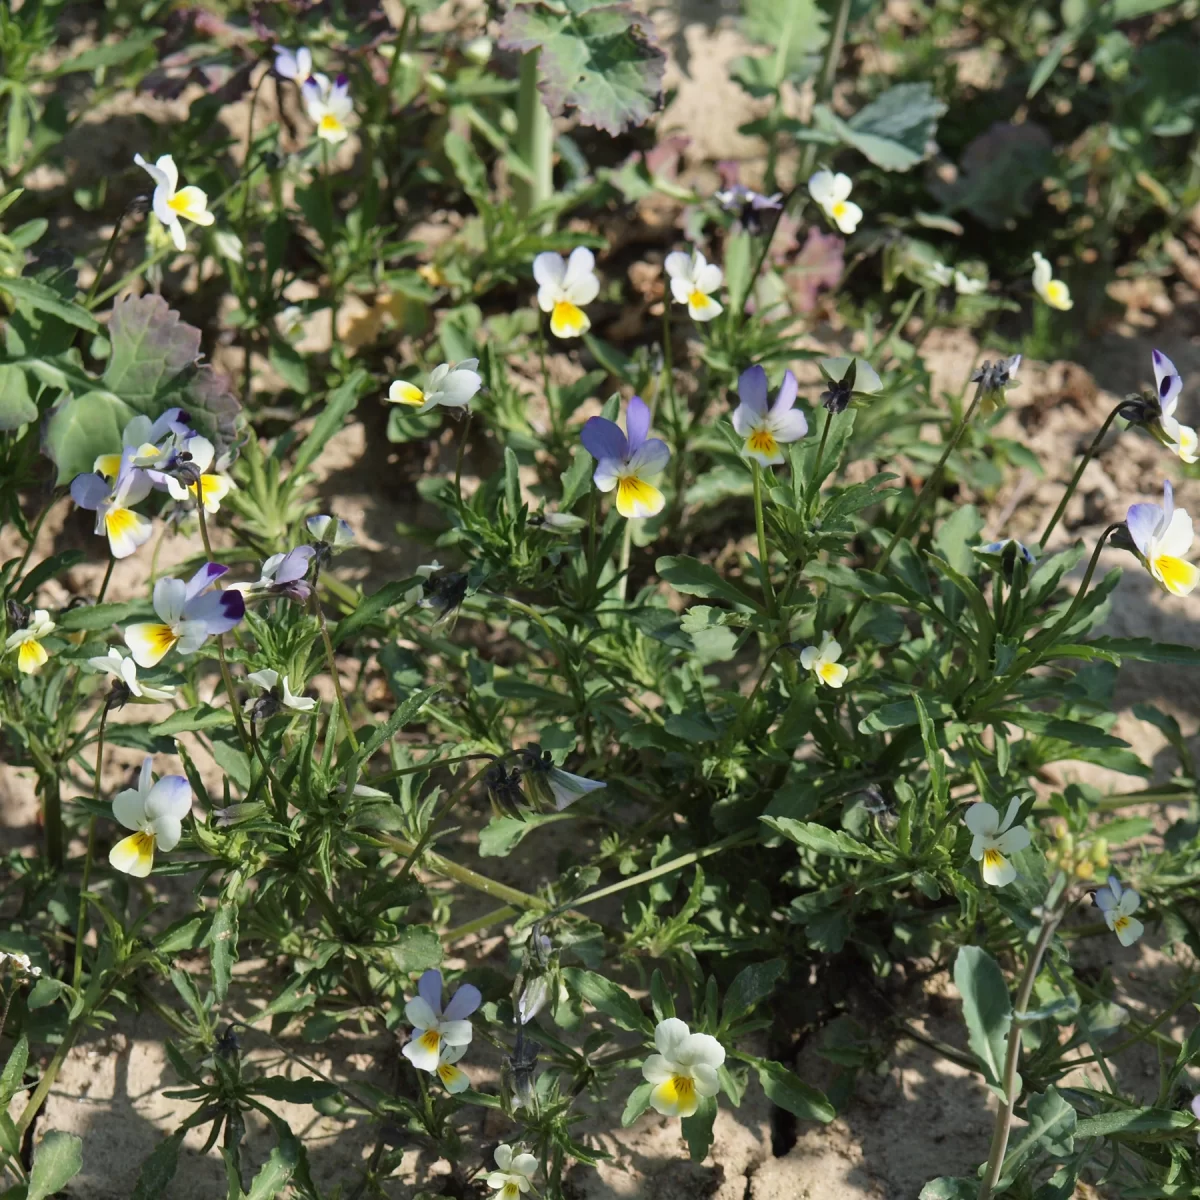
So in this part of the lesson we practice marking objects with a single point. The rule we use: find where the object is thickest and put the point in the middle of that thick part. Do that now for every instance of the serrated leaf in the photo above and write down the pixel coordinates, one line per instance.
(602, 61)
(822, 839)
(895, 131)
(151, 344)
(416, 948)
(223, 939)
(158, 1168)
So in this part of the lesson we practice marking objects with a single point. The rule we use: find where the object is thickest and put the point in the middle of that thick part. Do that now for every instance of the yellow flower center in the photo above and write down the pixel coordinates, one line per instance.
(1057, 294)
(431, 1039)
(31, 657)
(698, 299)
(637, 498)
(830, 672)
(161, 638)
(838, 210)
(684, 1087)
(1120, 924)
(119, 522)
(330, 124)
(762, 441)
(208, 487)
(1178, 576)
(568, 320)
(510, 1191)
(178, 203)
(108, 465)
(143, 843)
(407, 393)
(992, 857)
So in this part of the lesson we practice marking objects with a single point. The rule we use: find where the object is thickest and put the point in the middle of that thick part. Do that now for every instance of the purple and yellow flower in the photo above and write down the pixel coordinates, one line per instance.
(1118, 905)
(113, 504)
(155, 813)
(626, 463)
(194, 457)
(1163, 536)
(282, 575)
(328, 105)
(1179, 439)
(189, 614)
(565, 285)
(764, 429)
(435, 1028)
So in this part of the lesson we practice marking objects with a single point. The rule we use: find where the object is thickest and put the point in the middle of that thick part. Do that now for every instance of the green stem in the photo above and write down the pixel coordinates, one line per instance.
(108, 572)
(104, 261)
(814, 484)
(1008, 1081)
(760, 530)
(1089, 454)
(33, 534)
(535, 140)
(458, 461)
(331, 662)
(81, 918)
(430, 829)
(472, 879)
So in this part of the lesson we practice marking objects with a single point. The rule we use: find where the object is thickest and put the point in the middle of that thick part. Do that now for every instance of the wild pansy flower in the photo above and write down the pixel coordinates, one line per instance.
(1001, 547)
(328, 105)
(565, 285)
(451, 385)
(281, 575)
(27, 641)
(832, 193)
(822, 660)
(939, 274)
(290, 322)
(435, 1027)
(188, 476)
(171, 201)
(277, 697)
(113, 506)
(155, 812)
(766, 429)
(1162, 537)
(454, 1078)
(21, 963)
(124, 671)
(693, 281)
(684, 1070)
(189, 614)
(328, 531)
(514, 1173)
(994, 380)
(1118, 905)
(847, 376)
(144, 444)
(296, 65)
(965, 285)
(551, 784)
(1179, 439)
(748, 206)
(994, 840)
(1053, 291)
(627, 462)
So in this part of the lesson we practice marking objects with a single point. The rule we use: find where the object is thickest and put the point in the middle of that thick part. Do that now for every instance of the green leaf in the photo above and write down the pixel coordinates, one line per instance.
(222, 941)
(16, 404)
(900, 714)
(1135, 1124)
(609, 998)
(895, 131)
(698, 1128)
(277, 1170)
(695, 578)
(750, 987)
(151, 345)
(83, 427)
(638, 1102)
(416, 948)
(371, 607)
(1050, 1129)
(822, 839)
(785, 1089)
(1145, 650)
(203, 716)
(56, 1161)
(29, 293)
(110, 55)
(575, 479)
(401, 717)
(987, 1008)
(795, 32)
(338, 406)
(158, 1168)
(306, 1090)
(91, 618)
(469, 168)
(602, 61)
(14, 1071)
(46, 569)
(501, 835)
(948, 1188)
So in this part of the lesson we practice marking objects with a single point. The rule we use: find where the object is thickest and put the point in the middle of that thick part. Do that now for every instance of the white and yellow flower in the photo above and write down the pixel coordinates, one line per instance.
(454, 1078)
(626, 463)
(450, 384)
(1163, 537)
(172, 202)
(764, 429)
(565, 285)
(124, 670)
(1118, 905)
(693, 281)
(27, 642)
(113, 505)
(1053, 291)
(822, 660)
(435, 1028)
(280, 690)
(684, 1071)
(994, 840)
(155, 812)
(832, 193)
(328, 105)
(514, 1173)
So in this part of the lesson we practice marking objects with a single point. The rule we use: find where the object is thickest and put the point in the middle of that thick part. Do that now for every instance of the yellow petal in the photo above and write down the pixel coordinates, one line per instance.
(675, 1097)
(190, 202)
(832, 673)
(31, 657)
(702, 307)
(568, 320)
(126, 531)
(108, 465)
(1177, 575)
(637, 498)
(134, 855)
(1058, 295)
(213, 489)
(149, 642)
(762, 442)
(330, 128)
(406, 393)
(453, 1079)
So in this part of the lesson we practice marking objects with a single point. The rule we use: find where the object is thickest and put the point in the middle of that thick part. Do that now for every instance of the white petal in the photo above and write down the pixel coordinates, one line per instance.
(982, 819)
(549, 269)
(129, 809)
(678, 265)
(670, 1036)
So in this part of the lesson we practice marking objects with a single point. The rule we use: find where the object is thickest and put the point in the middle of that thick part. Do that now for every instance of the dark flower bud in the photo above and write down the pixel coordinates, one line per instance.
(444, 592)
(504, 790)
(17, 615)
